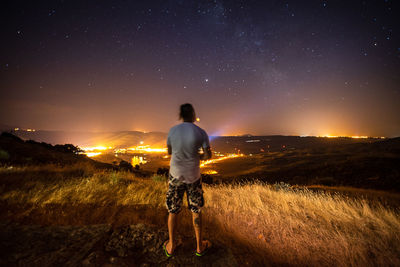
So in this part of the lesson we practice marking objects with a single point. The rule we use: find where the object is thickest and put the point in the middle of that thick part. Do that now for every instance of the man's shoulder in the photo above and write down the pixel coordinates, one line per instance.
(173, 128)
(202, 132)
(183, 126)
(200, 129)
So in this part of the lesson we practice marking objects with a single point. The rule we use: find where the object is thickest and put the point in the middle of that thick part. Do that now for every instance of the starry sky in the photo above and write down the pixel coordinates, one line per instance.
(258, 67)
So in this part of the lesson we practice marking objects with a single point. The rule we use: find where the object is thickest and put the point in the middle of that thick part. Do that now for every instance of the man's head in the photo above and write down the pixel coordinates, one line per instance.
(187, 113)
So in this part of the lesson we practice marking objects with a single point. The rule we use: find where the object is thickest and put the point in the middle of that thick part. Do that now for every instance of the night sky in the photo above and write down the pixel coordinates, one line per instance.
(259, 67)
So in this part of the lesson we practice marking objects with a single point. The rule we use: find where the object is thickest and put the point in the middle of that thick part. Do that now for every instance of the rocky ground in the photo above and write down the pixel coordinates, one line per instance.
(99, 245)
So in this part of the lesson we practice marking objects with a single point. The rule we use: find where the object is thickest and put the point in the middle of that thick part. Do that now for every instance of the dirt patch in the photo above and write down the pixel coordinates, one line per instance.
(131, 246)
(98, 245)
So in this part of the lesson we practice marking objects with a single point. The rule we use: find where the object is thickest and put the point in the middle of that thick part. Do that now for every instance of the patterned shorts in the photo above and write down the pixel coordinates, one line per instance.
(176, 189)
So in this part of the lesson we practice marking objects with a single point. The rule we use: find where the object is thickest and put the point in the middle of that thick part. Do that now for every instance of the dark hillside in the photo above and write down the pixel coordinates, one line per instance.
(15, 151)
(374, 165)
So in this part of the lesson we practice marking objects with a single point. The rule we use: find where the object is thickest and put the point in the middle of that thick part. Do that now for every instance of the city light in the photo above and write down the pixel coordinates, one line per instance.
(97, 150)
(348, 136)
(92, 154)
(148, 149)
(137, 160)
(210, 161)
(210, 172)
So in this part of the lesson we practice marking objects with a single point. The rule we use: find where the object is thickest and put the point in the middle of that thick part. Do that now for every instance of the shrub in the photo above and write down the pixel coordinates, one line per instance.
(158, 178)
(4, 155)
(281, 186)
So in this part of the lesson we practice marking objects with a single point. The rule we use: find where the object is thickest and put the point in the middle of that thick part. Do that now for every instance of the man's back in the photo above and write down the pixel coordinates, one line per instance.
(185, 140)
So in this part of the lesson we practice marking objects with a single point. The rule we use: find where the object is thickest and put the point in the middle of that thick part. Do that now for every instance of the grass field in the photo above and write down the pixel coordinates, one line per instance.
(280, 224)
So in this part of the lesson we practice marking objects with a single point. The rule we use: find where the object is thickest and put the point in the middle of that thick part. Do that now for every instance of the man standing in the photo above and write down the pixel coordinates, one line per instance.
(184, 143)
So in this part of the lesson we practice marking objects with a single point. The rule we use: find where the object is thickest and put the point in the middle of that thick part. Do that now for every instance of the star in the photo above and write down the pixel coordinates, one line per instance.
(250, 49)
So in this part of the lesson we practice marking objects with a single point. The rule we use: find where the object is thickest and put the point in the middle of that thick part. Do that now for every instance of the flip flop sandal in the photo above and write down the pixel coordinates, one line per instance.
(204, 252)
(165, 249)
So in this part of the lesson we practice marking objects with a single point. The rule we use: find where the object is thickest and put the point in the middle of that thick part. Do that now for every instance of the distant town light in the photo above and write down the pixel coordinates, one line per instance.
(328, 136)
(358, 136)
(93, 148)
(346, 136)
(209, 161)
(253, 141)
(137, 160)
(210, 172)
(92, 154)
(137, 149)
(197, 119)
(147, 148)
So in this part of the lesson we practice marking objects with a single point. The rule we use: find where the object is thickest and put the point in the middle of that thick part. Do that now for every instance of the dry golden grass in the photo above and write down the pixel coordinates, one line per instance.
(96, 187)
(295, 227)
(308, 228)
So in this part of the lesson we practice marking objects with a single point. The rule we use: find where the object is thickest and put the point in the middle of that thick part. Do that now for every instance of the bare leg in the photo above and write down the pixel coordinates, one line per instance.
(201, 244)
(197, 229)
(172, 221)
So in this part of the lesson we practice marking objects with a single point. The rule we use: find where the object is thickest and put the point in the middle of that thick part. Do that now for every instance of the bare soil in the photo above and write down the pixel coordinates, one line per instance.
(81, 235)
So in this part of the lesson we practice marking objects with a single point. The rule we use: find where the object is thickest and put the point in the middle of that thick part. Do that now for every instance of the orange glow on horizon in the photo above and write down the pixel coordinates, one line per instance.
(95, 148)
(350, 136)
(148, 149)
(92, 154)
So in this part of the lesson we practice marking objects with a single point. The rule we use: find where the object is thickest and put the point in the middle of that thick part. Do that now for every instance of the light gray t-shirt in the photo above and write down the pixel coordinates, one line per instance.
(186, 139)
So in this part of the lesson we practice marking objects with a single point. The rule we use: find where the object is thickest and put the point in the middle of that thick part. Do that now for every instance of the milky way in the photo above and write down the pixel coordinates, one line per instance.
(260, 67)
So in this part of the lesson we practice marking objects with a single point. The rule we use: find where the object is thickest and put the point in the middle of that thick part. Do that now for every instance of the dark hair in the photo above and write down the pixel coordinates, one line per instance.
(187, 113)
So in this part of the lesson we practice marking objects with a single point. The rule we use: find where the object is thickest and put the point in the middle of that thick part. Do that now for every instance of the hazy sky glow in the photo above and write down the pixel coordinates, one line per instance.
(260, 67)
